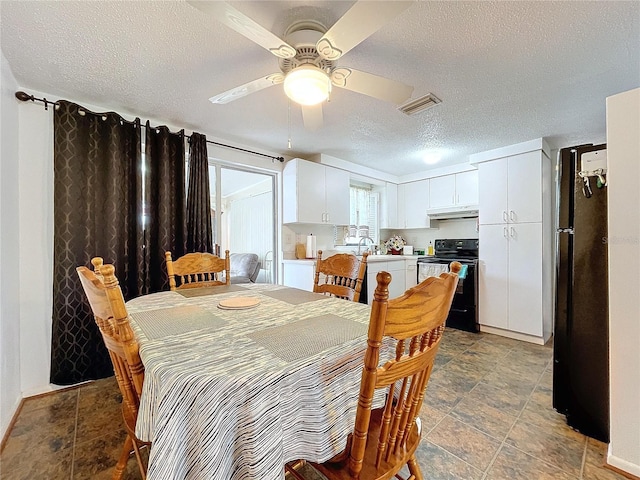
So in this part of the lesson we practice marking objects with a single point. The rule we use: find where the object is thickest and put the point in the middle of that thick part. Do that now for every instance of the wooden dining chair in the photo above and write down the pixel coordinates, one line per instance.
(385, 439)
(340, 275)
(105, 297)
(195, 270)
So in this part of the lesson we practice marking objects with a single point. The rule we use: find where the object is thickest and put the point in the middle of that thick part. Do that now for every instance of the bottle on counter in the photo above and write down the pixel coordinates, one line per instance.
(430, 249)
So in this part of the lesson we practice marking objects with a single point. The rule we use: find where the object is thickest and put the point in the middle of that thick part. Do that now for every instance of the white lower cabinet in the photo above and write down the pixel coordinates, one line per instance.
(299, 274)
(511, 278)
(411, 272)
(398, 273)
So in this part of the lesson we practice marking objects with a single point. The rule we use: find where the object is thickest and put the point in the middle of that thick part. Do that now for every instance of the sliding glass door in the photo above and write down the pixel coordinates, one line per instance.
(242, 214)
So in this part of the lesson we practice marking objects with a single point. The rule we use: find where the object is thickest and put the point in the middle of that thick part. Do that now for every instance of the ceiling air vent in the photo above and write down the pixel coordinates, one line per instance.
(422, 103)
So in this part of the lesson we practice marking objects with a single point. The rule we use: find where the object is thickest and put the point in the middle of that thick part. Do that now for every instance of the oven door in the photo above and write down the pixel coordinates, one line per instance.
(463, 314)
(431, 269)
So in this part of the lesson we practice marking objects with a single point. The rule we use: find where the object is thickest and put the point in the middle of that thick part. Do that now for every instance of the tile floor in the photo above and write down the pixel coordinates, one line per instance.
(487, 415)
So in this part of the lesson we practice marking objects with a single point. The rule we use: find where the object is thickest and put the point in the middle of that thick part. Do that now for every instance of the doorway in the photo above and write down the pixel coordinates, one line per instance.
(242, 214)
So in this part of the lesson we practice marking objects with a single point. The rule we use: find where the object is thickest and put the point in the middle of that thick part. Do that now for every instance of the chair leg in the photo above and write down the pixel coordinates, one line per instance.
(121, 466)
(141, 463)
(291, 468)
(414, 468)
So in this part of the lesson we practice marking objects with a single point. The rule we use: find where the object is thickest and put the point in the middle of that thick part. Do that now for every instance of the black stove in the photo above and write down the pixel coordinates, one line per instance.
(464, 308)
(463, 250)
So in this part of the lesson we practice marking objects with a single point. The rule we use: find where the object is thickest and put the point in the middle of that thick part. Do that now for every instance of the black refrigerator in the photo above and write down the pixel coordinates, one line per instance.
(581, 331)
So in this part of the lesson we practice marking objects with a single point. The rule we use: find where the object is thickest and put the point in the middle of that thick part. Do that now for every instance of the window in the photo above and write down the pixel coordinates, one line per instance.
(363, 215)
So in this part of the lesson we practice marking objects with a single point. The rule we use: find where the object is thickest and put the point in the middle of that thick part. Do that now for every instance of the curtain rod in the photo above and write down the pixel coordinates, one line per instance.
(280, 159)
(25, 97)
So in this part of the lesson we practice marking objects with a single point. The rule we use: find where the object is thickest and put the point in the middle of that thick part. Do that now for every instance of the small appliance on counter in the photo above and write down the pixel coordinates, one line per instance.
(407, 250)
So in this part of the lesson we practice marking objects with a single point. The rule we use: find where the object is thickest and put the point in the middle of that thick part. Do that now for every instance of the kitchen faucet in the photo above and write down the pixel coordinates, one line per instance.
(360, 242)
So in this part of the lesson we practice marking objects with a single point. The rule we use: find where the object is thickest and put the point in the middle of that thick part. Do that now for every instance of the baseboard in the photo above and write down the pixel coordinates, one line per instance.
(50, 388)
(515, 335)
(622, 467)
(14, 417)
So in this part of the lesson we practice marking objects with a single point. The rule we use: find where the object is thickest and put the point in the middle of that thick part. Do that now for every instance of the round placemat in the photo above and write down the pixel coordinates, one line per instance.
(238, 303)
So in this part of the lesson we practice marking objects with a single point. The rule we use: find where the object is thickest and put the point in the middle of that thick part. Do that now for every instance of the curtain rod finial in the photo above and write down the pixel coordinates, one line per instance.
(24, 97)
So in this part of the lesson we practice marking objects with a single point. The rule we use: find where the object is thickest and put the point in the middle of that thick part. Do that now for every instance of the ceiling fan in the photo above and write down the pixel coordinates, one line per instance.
(308, 57)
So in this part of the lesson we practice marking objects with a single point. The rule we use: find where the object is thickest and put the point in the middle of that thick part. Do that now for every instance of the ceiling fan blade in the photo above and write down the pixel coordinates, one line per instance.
(242, 24)
(372, 85)
(312, 116)
(362, 20)
(247, 88)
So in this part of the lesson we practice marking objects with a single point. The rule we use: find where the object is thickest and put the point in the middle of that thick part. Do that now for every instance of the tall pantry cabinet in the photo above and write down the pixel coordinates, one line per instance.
(516, 242)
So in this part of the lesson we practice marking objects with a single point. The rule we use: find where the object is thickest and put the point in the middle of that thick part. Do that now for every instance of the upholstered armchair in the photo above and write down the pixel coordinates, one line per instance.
(244, 267)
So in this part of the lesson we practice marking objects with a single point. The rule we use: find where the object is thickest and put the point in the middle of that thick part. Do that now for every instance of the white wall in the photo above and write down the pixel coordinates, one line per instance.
(36, 246)
(623, 152)
(10, 394)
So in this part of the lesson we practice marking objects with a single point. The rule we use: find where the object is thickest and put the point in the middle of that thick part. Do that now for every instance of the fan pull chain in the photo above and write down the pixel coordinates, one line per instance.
(289, 124)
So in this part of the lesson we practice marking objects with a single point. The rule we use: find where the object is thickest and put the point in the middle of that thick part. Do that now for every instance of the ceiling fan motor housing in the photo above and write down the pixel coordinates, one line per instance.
(303, 36)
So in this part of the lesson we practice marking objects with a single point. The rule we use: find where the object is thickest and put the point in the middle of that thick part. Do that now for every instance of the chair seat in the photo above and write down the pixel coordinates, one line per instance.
(339, 470)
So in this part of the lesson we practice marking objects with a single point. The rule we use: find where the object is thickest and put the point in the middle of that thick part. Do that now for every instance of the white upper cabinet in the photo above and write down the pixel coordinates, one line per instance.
(459, 189)
(467, 188)
(525, 188)
(388, 205)
(337, 196)
(511, 189)
(493, 193)
(442, 191)
(314, 193)
(415, 198)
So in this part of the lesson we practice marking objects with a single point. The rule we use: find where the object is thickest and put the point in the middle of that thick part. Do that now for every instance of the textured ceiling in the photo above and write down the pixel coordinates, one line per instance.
(506, 72)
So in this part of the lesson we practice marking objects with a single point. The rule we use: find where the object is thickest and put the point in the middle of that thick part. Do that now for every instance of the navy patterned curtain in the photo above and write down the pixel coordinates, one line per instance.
(165, 203)
(97, 206)
(199, 236)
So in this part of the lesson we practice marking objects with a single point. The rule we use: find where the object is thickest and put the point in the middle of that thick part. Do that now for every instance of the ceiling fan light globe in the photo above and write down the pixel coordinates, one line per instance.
(307, 85)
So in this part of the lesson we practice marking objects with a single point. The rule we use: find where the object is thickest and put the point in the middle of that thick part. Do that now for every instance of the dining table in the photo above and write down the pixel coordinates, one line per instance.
(241, 379)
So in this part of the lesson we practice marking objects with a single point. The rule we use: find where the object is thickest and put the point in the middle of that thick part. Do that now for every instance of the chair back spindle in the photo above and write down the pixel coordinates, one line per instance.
(197, 270)
(340, 275)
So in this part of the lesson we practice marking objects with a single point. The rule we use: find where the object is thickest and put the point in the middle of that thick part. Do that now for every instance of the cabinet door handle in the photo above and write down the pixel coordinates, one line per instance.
(504, 216)
(504, 232)
(513, 233)
(512, 215)
(328, 218)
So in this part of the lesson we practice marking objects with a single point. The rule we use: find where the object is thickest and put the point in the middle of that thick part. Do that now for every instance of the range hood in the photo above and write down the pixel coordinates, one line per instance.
(454, 211)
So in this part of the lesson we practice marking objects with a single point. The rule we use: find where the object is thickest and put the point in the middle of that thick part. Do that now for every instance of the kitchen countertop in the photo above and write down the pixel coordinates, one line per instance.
(370, 258)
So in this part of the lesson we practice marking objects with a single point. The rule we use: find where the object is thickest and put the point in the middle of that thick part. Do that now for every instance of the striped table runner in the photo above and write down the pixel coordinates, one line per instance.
(232, 402)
